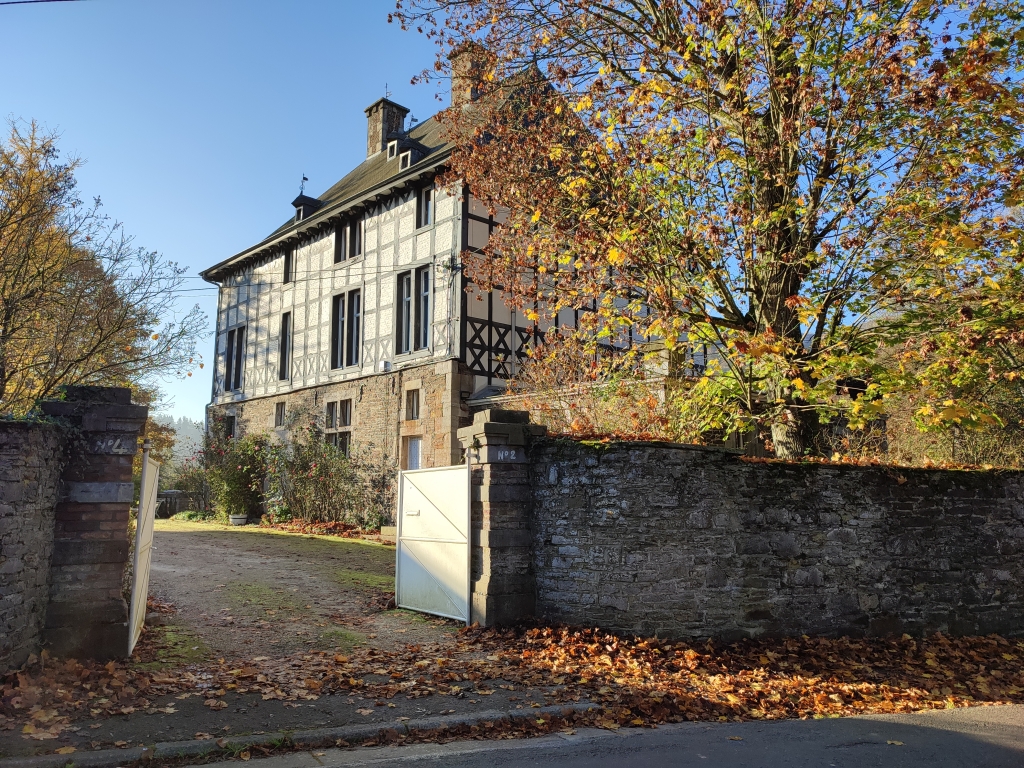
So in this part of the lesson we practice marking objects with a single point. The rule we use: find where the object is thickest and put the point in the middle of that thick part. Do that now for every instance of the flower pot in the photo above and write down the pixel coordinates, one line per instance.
(239, 519)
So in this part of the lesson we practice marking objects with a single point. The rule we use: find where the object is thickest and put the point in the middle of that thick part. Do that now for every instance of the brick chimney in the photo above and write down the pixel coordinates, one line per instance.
(468, 63)
(383, 117)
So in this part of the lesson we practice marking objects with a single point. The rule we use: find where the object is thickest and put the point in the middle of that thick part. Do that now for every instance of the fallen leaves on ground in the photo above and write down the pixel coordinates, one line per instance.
(634, 681)
(159, 606)
(340, 530)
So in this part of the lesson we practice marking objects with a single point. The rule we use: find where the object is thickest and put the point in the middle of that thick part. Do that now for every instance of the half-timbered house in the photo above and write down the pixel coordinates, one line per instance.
(356, 309)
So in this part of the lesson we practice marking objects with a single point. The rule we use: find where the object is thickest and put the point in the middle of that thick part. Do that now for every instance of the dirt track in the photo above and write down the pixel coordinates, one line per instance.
(249, 592)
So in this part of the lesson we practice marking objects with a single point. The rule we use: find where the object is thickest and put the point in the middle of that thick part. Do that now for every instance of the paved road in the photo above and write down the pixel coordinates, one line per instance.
(984, 737)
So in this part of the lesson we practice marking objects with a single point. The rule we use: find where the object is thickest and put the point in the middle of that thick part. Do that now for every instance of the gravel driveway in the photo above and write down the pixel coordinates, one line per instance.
(243, 592)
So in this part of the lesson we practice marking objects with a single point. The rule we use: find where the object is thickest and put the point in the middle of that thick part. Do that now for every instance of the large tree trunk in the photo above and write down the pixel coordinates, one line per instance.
(793, 435)
(790, 435)
(787, 436)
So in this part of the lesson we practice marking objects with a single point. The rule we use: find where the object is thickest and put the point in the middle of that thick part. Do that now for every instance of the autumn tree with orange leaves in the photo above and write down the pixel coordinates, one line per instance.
(80, 302)
(781, 181)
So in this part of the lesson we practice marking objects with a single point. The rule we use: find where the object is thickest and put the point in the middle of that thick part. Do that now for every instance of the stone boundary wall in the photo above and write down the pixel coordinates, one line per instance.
(692, 542)
(65, 495)
(31, 460)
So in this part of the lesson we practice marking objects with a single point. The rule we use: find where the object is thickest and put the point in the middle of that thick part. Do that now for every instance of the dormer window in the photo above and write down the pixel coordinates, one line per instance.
(392, 149)
(305, 206)
(404, 160)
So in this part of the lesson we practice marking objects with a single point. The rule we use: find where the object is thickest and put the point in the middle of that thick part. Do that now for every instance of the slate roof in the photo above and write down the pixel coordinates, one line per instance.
(374, 173)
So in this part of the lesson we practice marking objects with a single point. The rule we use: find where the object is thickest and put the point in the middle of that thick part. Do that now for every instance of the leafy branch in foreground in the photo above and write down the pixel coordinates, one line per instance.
(773, 180)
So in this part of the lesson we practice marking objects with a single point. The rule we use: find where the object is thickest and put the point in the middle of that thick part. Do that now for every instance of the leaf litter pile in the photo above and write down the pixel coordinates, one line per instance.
(629, 682)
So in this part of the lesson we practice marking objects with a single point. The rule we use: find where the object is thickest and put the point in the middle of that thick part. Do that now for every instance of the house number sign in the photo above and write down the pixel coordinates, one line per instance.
(500, 454)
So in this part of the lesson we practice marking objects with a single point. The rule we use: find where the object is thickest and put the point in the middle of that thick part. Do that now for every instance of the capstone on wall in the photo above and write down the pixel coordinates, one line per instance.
(31, 460)
(693, 542)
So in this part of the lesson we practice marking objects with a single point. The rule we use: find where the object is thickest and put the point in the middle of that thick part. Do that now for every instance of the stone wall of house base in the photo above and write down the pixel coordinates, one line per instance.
(379, 418)
(690, 542)
(31, 460)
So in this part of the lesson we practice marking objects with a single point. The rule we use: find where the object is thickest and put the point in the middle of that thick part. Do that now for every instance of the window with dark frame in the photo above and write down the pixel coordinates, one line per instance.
(285, 347)
(340, 238)
(412, 331)
(403, 340)
(355, 239)
(422, 336)
(425, 207)
(338, 331)
(353, 331)
(338, 424)
(229, 426)
(234, 362)
(229, 360)
(288, 256)
(279, 412)
(412, 405)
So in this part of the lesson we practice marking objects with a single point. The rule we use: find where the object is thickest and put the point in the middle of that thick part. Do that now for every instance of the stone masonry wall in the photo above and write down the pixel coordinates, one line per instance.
(378, 410)
(691, 542)
(87, 617)
(31, 459)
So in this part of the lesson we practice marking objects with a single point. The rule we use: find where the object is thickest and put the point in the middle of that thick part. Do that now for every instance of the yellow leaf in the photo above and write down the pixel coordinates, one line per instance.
(65, 750)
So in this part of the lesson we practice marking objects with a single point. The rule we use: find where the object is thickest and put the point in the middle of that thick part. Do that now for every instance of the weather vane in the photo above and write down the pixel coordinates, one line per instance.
(302, 186)
(387, 93)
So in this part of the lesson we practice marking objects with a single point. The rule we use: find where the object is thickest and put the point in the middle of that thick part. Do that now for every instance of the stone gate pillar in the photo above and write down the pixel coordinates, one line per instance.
(503, 587)
(87, 617)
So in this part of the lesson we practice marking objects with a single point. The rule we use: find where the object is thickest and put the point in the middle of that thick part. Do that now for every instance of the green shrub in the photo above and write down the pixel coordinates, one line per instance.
(312, 480)
(237, 469)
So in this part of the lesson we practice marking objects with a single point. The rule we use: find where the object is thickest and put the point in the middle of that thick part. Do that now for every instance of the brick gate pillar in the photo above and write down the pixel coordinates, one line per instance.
(503, 587)
(87, 616)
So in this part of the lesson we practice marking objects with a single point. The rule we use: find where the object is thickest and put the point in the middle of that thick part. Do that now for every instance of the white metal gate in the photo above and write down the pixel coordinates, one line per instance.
(432, 561)
(143, 547)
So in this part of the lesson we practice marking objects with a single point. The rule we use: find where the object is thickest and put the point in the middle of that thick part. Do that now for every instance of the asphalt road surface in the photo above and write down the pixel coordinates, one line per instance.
(982, 737)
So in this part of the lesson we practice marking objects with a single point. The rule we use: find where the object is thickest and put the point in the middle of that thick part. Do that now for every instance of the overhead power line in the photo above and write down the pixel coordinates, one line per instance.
(31, 2)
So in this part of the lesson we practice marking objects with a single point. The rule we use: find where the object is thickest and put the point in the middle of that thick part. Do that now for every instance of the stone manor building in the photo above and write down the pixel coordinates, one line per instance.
(357, 310)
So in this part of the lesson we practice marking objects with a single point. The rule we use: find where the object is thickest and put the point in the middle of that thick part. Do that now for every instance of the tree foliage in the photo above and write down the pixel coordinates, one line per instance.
(789, 183)
(80, 303)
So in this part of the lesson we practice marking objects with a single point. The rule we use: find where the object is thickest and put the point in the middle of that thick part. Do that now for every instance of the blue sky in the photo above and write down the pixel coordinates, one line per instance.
(197, 118)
